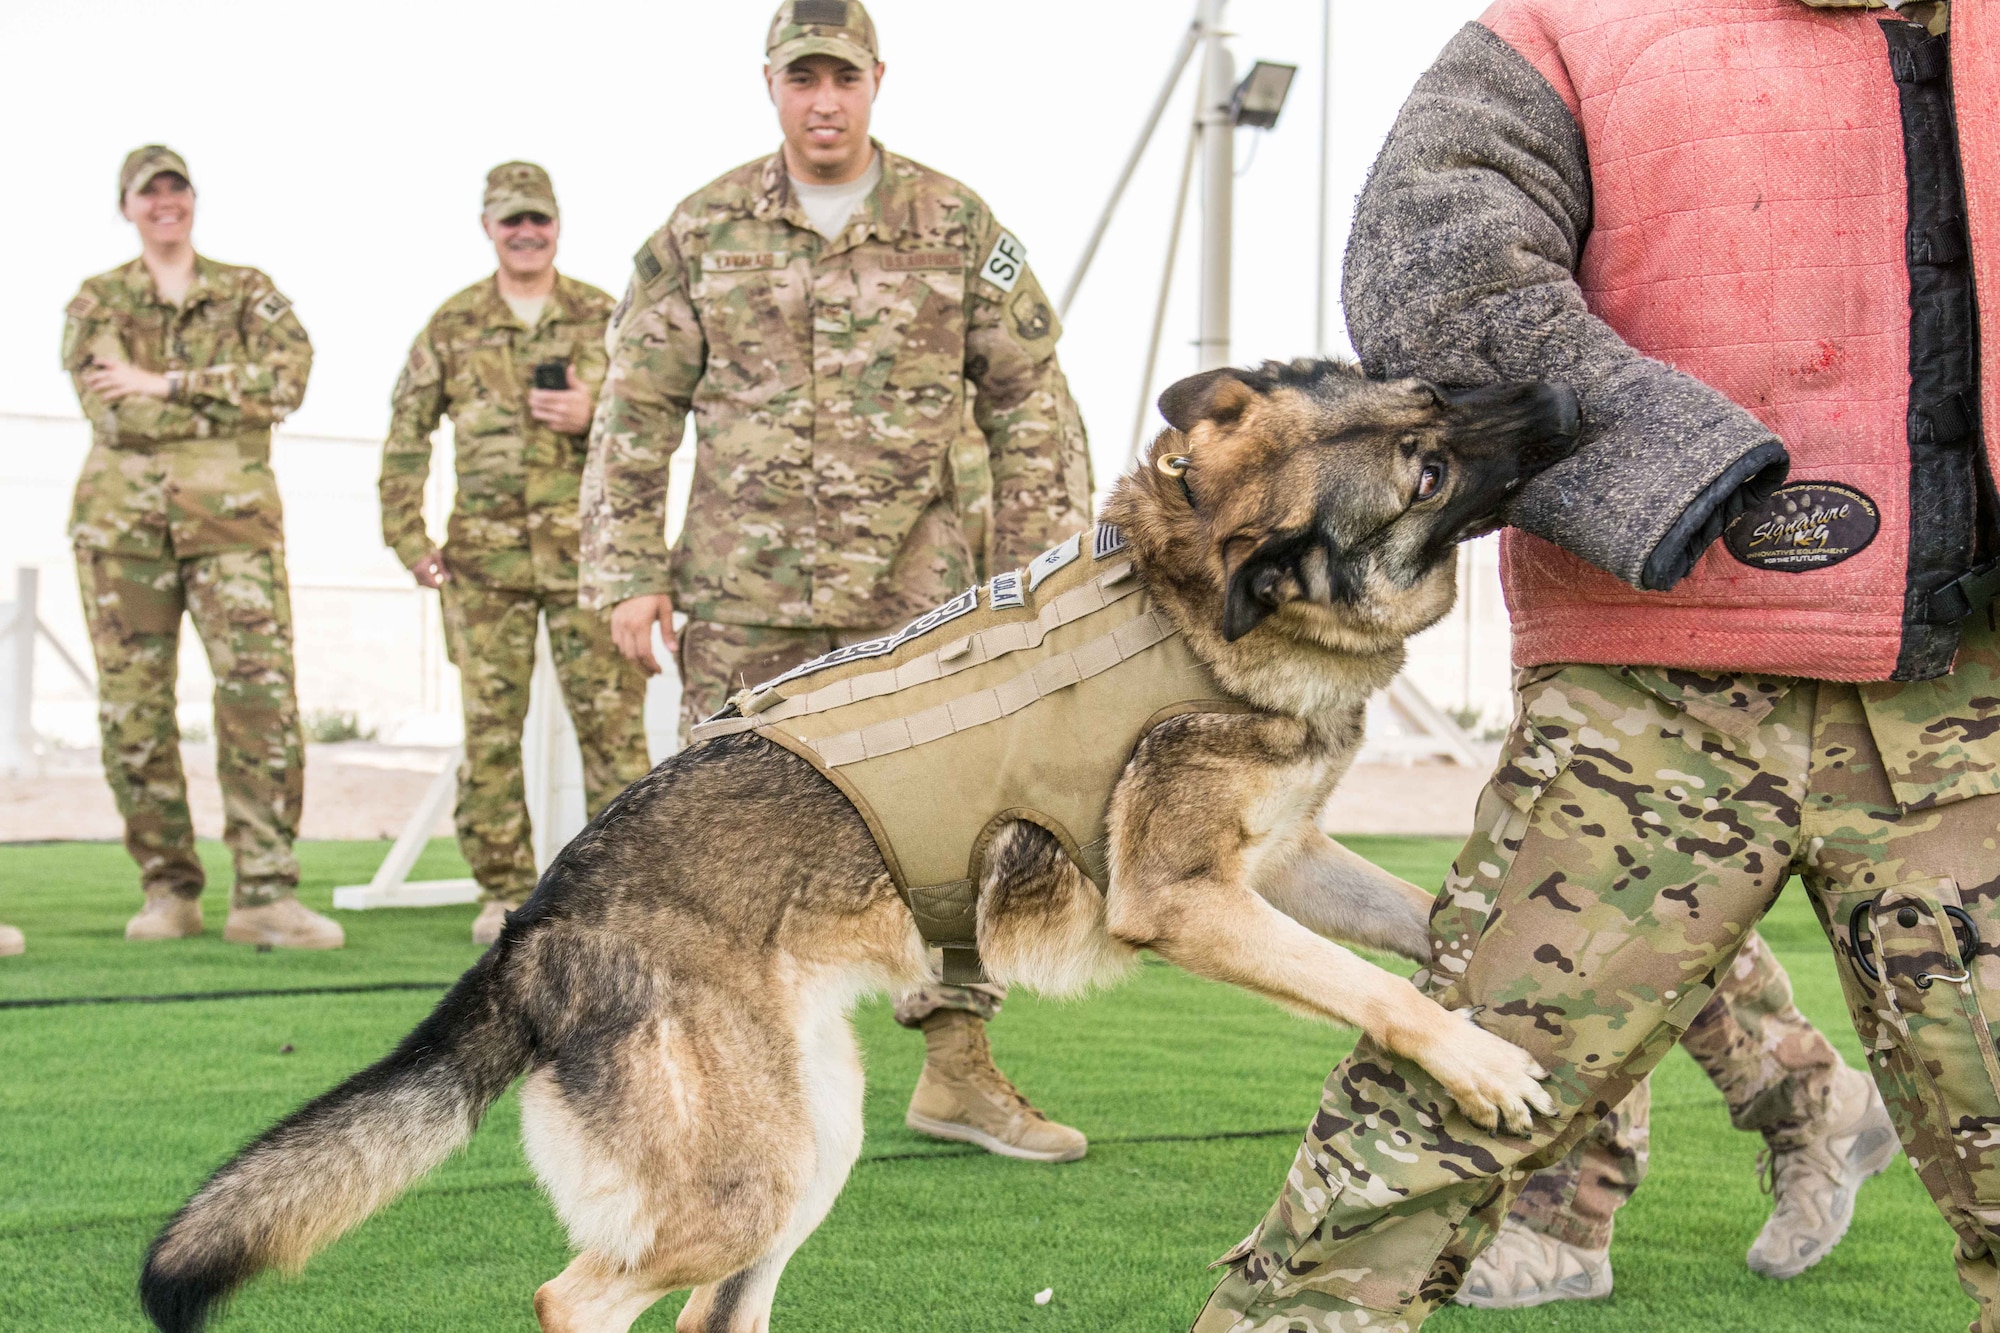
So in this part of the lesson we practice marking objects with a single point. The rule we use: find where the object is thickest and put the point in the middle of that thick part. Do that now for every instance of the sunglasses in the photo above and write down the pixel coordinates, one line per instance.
(526, 220)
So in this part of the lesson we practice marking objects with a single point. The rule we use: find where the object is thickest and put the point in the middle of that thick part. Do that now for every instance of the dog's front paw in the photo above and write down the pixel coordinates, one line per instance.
(1495, 1083)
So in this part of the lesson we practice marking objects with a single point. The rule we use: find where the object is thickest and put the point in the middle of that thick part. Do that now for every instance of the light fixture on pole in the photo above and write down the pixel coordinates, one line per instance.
(1221, 105)
(1261, 96)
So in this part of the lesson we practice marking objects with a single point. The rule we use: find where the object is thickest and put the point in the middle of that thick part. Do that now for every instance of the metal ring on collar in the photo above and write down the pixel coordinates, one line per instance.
(1174, 465)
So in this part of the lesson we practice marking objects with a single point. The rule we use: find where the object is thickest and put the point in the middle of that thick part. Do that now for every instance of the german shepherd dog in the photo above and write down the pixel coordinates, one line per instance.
(677, 989)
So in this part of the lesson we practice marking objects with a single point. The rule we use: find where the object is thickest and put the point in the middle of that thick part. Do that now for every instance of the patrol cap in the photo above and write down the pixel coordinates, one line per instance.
(142, 164)
(519, 187)
(838, 28)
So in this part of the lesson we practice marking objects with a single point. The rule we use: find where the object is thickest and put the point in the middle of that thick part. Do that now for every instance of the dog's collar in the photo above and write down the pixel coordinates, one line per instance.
(1176, 466)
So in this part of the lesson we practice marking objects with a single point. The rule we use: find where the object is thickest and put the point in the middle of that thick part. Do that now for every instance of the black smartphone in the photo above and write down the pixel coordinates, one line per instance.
(552, 375)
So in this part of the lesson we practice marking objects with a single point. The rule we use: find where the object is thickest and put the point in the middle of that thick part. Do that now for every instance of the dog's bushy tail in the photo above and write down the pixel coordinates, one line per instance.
(342, 1155)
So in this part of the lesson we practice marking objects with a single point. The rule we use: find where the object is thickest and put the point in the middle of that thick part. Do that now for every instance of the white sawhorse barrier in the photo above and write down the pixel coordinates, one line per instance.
(552, 767)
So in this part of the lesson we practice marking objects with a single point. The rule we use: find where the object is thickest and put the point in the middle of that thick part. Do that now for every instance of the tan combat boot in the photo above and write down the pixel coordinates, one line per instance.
(166, 916)
(12, 941)
(1812, 1186)
(492, 919)
(1523, 1267)
(961, 1096)
(284, 924)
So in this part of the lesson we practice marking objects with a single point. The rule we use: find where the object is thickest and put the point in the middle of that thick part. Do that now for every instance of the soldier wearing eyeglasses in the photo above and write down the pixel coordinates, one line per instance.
(515, 361)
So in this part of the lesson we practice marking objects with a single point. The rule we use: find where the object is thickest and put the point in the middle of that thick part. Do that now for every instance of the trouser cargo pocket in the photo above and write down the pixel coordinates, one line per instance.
(1912, 945)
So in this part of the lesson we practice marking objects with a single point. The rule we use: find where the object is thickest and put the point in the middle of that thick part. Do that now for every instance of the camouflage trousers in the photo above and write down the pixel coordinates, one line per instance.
(1774, 1069)
(716, 660)
(1628, 842)
(241, 607)
(490, 633)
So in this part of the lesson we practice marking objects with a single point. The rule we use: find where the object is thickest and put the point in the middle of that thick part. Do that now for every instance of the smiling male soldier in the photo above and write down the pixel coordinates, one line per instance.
(182, 366)
(823, 313)
(515, 360)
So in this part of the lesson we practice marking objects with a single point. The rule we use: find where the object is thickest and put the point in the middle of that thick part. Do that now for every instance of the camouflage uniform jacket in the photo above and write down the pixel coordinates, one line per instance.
(514, 522)
(827, 381)
(193, 476)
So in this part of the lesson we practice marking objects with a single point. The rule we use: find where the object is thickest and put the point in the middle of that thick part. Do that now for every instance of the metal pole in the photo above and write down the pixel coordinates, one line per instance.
(1325, 153)
(1166, 288)
(1131, 165)
(1218, 183)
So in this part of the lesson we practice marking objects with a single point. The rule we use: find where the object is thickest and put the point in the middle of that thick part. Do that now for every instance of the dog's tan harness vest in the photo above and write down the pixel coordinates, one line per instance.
(1021, 699)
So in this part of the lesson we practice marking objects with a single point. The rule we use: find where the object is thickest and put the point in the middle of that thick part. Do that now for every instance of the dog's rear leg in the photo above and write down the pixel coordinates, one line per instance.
(830, 1068)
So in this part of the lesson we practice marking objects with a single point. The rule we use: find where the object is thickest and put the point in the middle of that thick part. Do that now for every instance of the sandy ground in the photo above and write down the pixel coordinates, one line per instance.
(354, 790)
(363, 790)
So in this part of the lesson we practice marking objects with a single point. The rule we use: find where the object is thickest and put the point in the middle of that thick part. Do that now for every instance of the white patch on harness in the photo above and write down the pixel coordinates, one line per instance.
(963, 604)
(1005, 265)
(1007, 591)
(1053, 559)
(1106, 541)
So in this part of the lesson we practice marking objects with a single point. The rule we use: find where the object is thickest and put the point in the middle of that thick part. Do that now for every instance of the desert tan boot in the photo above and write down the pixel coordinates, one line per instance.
(961, 1096)
(1812, 1186)
(492, 919)
(166, 916)
(284, 924)
(12, 941)
(1523, 1267)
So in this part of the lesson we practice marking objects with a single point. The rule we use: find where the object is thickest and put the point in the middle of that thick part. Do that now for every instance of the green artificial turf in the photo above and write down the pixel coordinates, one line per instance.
(1193, 1095)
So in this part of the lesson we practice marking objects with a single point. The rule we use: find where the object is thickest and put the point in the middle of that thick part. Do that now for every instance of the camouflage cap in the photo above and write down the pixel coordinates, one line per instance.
(142, 164)
(838, 28)
(519, 187)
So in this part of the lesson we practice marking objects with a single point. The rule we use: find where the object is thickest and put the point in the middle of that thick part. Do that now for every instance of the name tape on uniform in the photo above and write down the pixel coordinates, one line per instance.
(1007, 262)
(736, 261)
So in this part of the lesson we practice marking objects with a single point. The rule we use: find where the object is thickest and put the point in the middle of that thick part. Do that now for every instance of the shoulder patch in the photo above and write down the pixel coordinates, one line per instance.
(1053, 559)
(1006, 591)
(1106, 541)
(81, 307)
(647, 264)
(271, 307)
(1006, 263)
(422, 367)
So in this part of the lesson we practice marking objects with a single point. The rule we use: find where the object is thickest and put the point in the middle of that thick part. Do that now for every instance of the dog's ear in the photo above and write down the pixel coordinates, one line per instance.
(1214, 395)
(1257, 585)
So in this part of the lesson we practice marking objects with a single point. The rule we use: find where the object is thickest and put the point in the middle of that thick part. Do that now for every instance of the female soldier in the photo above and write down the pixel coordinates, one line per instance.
(183, 365)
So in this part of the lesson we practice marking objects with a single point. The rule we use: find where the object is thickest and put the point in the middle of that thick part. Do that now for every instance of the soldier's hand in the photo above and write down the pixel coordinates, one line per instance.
(564, 411)
(632, 622)
(113, 380)
(430, 571)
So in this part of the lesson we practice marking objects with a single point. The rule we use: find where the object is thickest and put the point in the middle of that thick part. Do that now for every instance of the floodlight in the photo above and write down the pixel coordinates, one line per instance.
(1261, 96)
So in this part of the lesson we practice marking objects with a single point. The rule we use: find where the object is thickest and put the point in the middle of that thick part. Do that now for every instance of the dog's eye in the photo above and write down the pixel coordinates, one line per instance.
(1429, 480)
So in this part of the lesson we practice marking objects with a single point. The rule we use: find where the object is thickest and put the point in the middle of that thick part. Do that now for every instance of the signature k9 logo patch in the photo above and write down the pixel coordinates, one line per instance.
(1804, 526)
